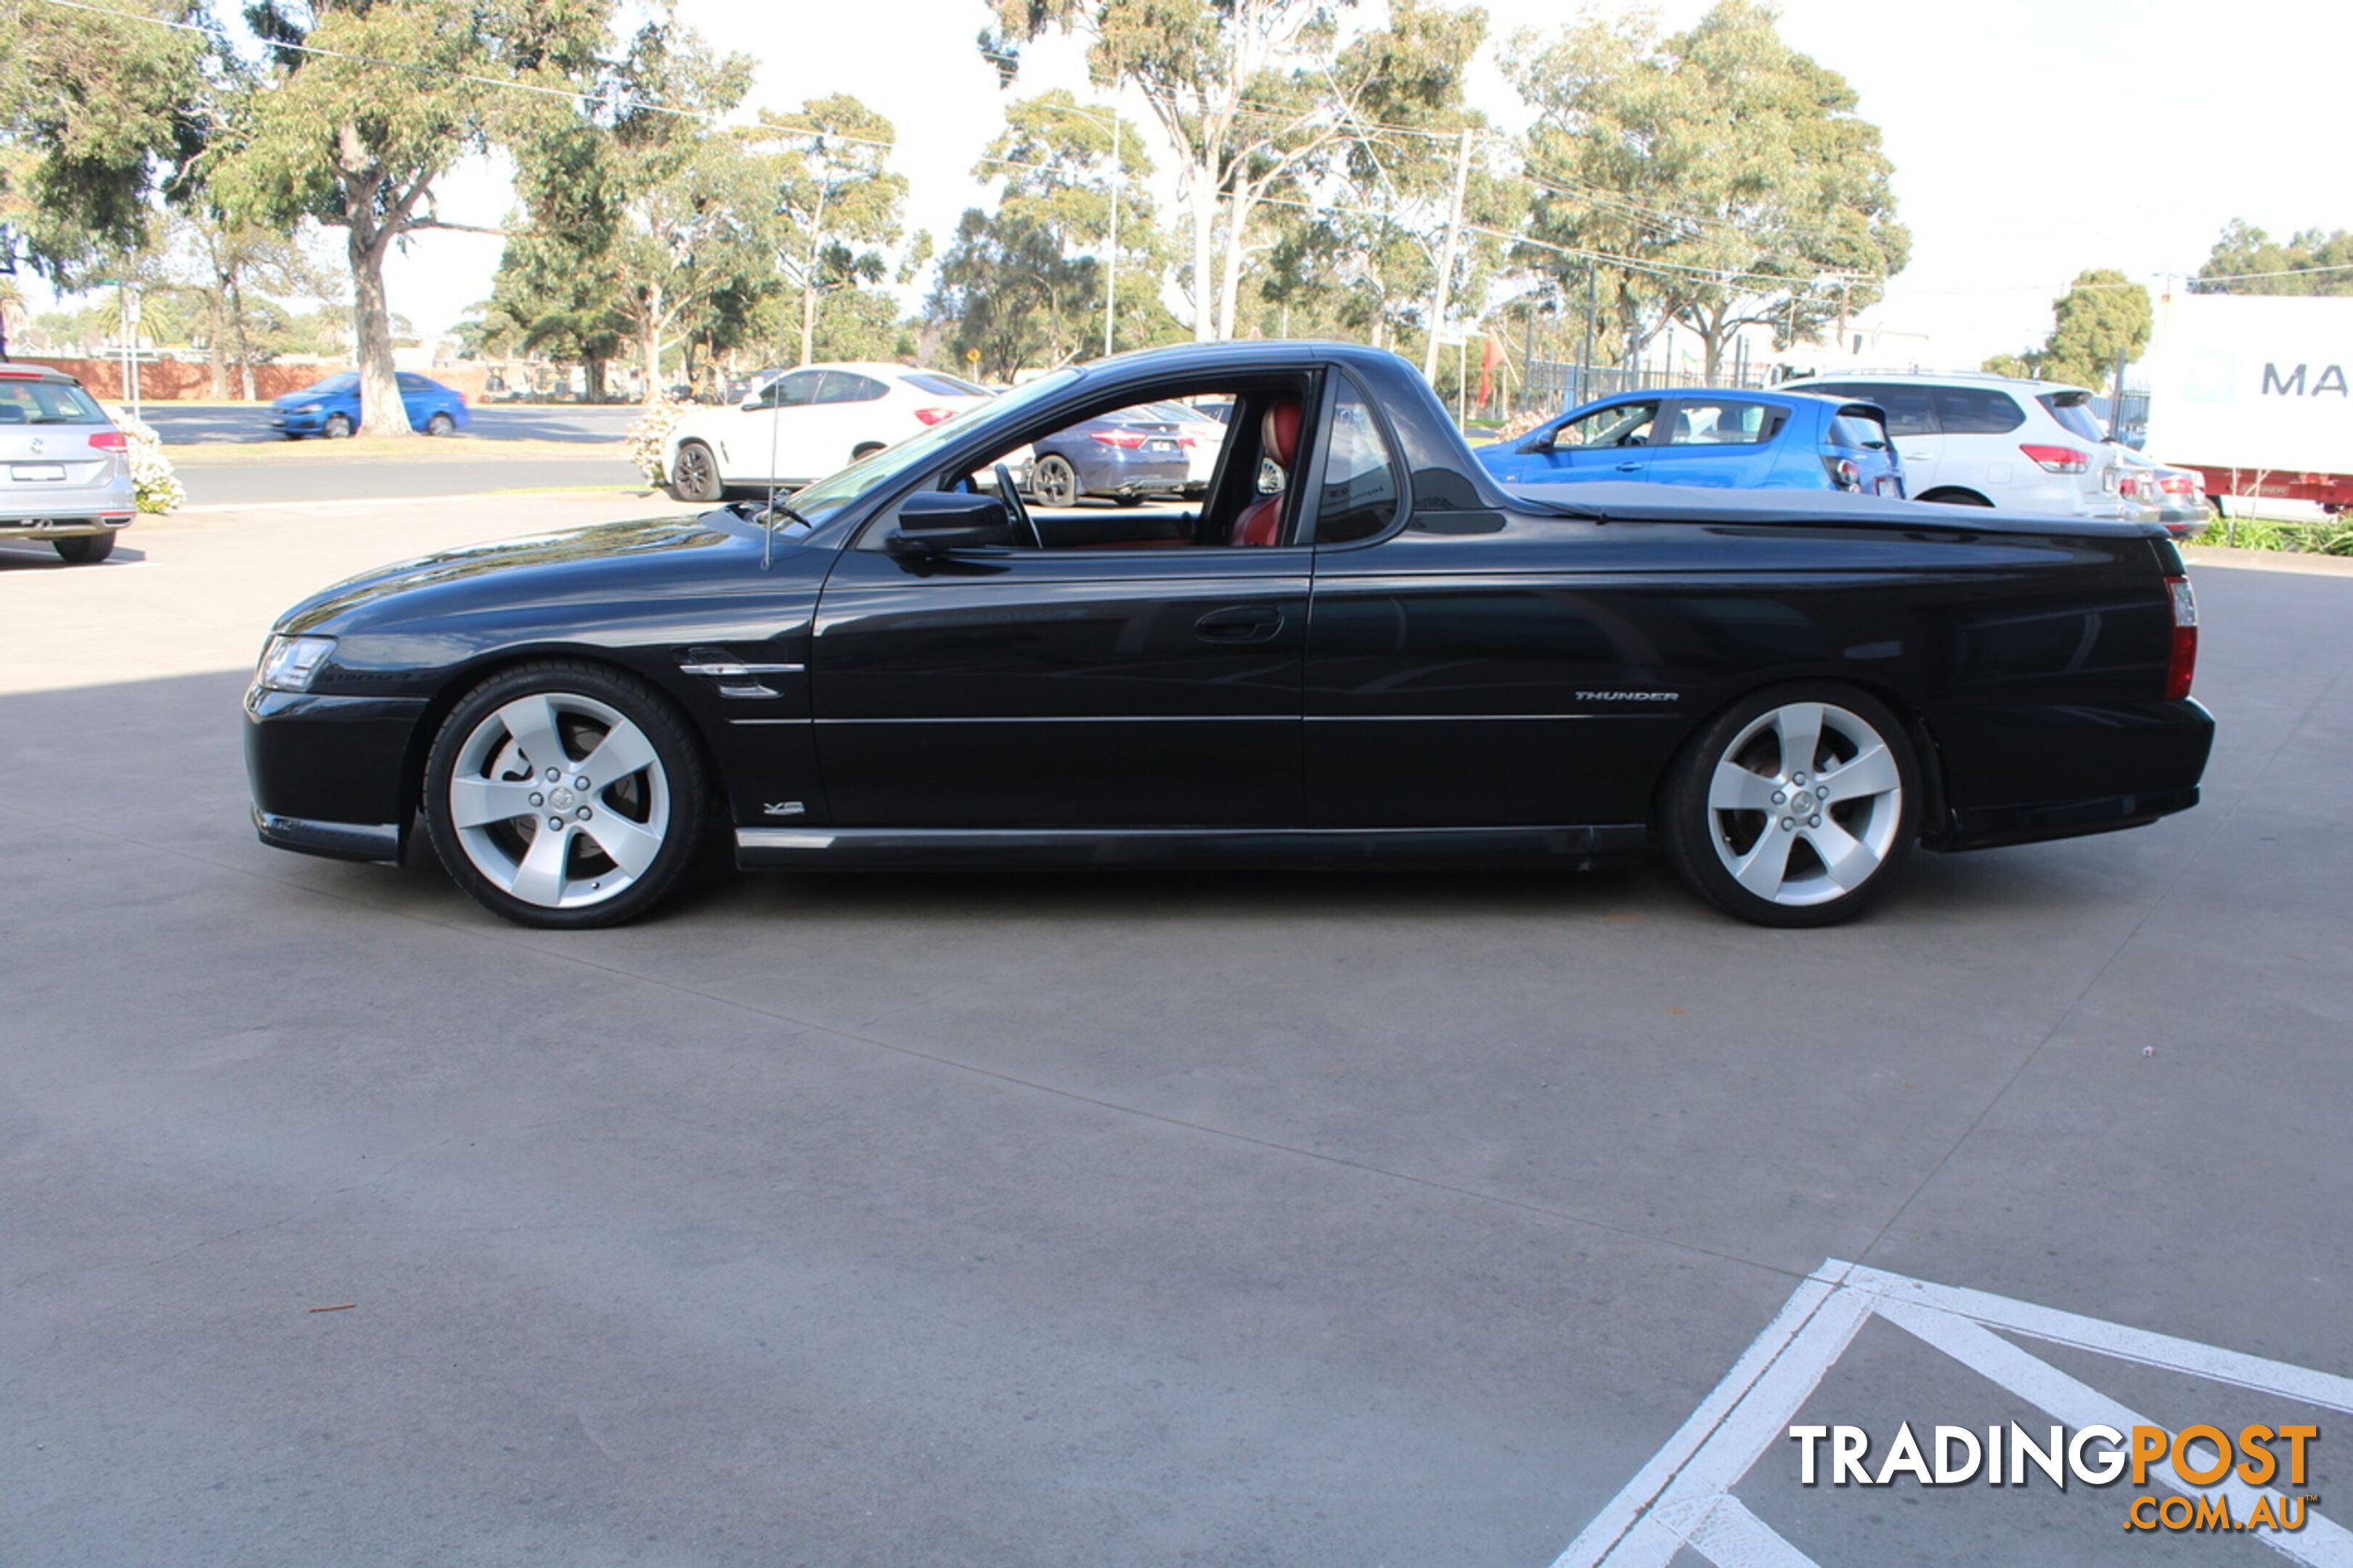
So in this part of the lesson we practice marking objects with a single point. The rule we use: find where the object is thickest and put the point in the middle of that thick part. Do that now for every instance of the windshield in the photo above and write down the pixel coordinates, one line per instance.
(819, 501)
(343, 383)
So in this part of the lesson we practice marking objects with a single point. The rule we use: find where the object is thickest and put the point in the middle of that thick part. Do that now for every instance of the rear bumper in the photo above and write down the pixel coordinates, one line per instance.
(2118, 766)
(1989, 826)
(66, 508)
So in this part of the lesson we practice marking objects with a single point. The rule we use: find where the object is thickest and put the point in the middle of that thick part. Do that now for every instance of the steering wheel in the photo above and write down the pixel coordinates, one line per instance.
(1011, 493)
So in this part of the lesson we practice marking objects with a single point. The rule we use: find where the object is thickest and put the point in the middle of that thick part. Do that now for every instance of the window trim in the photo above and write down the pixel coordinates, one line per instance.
(1311, 505)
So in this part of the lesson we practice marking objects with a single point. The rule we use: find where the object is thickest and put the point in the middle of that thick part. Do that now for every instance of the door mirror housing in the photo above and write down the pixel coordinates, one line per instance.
(931, 520)
(1542, 441)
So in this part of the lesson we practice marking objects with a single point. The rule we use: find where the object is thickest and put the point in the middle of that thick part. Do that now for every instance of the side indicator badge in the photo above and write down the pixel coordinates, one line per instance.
(782, 808)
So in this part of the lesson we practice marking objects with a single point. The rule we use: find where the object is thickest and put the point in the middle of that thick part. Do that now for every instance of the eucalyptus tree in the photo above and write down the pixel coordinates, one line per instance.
(1719, 178)
(836, 203)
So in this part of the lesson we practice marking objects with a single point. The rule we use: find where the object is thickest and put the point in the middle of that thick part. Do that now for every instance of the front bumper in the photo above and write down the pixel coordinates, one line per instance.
(333, 775)
(294, 422)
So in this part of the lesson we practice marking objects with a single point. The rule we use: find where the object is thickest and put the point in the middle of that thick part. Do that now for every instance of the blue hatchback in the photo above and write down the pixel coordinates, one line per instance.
(332, 407)
(1698, 435)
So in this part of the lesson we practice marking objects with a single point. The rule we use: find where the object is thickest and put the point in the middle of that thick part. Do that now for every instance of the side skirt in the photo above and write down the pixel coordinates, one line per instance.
(940, 849)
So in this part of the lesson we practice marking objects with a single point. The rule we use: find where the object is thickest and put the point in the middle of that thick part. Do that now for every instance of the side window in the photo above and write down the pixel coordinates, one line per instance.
(1359, 497)
(411, 383)
(840, 386)
(1619, 425)
(791, 391)
(1710, 423)
(1977, 411)
(1909, 409)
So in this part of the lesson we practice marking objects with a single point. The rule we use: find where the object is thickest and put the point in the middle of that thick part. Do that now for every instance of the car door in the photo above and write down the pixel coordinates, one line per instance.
(1606, 443)
(847, 414)
(769, 438)
(1714, 442)
(414, 397)
(1010, 688)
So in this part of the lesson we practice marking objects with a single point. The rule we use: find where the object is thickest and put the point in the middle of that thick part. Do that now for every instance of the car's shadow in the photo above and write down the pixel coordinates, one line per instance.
(36, 555)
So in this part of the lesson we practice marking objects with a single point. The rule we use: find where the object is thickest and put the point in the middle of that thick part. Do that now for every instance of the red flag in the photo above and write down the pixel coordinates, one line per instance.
(1489, 358)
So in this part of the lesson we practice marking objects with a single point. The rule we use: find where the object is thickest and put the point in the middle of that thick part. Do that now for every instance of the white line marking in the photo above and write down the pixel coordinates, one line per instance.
(2321, 1543)
(1682, 1496)
(2303, 1385)
(1722, 1529)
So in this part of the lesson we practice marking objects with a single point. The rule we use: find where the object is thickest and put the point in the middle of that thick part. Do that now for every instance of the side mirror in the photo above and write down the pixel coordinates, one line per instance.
(1542, 441)
(931, 520)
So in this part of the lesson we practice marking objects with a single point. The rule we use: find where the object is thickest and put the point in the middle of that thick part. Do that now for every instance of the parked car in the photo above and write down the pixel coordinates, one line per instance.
(332, 407)
(806, 423)
(1719, 440)
(65, 470)
(1377, 652)
(1203, 437)
(2175, 499)
(1984, 440)
(1128, 455)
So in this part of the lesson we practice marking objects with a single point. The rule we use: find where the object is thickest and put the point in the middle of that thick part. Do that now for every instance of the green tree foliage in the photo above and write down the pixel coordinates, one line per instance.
(837, 202)
(227, 269)
(357, 145)
(2102, 314)
(98, 115)
(1728, 175)
(1007, 289)
(2244, 250)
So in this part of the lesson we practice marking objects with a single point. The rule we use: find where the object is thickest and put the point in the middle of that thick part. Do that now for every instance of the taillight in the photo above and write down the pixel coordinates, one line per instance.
(1125, 440)
(109, 441)
(2128, 486)
(2058, 459)
(1186, 441)
(2177, 484)
(2181, 662)
(1843, 473)
(933, 416)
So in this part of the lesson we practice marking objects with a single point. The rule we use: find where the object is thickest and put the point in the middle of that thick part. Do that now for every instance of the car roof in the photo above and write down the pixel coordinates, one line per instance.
(17, 370)
(1951, 378)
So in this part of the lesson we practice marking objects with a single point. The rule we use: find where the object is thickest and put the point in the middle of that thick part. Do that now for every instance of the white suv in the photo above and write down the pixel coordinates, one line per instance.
(65, 470)
(1983, 440)
(806, 423)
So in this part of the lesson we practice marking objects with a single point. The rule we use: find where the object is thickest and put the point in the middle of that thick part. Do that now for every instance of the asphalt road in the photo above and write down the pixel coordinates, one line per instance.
(180, 424)
(370, 478)
(1124, 1219)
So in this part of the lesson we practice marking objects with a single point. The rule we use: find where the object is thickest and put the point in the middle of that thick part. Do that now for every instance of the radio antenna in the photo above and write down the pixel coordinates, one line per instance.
(772, 392)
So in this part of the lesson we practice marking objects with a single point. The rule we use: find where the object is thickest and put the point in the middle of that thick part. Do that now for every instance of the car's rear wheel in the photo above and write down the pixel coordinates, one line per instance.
(440, 425)
(336, 428)
(565, 796)
(863, 450)
(1956, 498)
(1054, 482)
(1794, 806)
(84, 548)
(695, 475)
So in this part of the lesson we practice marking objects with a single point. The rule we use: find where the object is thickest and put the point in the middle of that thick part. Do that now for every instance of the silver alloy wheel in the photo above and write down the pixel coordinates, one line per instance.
(559, 800)
(1805, 804)
(1055, 481)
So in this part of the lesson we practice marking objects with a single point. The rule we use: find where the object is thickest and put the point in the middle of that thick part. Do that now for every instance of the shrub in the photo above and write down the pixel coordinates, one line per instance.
(153, 482)
(648, 439)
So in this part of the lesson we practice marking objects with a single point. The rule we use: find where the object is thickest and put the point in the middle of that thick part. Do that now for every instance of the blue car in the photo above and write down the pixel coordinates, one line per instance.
(1698, 435)
(1128, 456)
(332, 407)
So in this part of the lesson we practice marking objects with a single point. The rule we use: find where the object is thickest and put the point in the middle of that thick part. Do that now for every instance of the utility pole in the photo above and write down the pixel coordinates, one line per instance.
(1584, 364)
(1446, 259)
(1111, 263)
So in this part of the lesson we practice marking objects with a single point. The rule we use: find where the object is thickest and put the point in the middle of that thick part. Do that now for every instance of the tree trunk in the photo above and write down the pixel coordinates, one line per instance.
(1205, 219)
(381, 411)
(1230, 287)
(244, 343)
(650, 344)
(808, 312)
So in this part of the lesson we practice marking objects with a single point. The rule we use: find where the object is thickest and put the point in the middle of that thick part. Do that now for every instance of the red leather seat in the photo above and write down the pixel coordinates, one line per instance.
(1261, 521)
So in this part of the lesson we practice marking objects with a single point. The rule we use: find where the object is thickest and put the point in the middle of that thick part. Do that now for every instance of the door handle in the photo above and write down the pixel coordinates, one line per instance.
(1629, 467)
(1241, 623)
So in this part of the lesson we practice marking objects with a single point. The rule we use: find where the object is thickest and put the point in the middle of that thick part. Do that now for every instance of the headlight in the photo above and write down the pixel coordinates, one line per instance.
(309, 408)
(291, 664)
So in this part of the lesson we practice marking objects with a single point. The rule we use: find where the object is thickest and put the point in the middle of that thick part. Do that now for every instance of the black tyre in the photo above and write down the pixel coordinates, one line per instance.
(1054, 482)
(1794, 806)
(1956, 498)
(863, 450)
(336, 428)
(695, 476)
(84, 548)
(565, 796)
(440, 425)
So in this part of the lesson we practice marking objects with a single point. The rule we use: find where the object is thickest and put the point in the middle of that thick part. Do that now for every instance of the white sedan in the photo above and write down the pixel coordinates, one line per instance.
(806, 423)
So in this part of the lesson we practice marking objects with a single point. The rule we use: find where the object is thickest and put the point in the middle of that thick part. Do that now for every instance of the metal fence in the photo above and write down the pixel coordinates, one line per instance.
(1563, 383)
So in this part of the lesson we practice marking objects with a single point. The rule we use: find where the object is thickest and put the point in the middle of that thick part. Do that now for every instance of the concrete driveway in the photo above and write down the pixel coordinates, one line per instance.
(1099, 1220)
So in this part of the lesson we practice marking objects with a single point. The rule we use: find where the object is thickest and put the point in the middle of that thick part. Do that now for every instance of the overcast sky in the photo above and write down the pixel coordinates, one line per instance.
(2030, 138)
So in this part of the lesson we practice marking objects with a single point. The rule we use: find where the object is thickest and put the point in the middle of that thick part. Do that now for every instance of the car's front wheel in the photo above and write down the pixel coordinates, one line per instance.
(564, 795)
(84, 548)
(1795, 807)
(695, 475)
